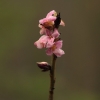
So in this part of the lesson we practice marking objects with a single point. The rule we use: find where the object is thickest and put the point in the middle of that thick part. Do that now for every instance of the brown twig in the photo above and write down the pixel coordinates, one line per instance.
(52, 77)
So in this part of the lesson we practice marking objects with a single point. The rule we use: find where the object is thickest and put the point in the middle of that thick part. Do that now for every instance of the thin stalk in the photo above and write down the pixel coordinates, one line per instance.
(52, 77)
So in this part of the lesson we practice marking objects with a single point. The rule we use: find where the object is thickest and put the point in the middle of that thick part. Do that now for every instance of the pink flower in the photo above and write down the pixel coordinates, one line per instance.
(48, 21)
(44, 41)
(41, 42)
(54, 13)
(52, 33)
(56, 49)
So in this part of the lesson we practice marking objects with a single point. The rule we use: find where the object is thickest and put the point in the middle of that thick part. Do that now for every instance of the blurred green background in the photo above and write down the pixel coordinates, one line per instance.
(77, 72)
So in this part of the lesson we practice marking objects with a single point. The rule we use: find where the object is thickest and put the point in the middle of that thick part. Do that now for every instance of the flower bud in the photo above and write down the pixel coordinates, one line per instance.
(44, 66)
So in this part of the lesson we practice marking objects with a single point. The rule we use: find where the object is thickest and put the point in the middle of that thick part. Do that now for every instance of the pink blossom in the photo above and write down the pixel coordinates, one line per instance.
(47, 19)
(54, 13)
(47, 40)
(55, 33)
(41, 42)
(50, 42)
(56, 49)
(44, 42)
(52, 33)
(59, 52)
(51, 13)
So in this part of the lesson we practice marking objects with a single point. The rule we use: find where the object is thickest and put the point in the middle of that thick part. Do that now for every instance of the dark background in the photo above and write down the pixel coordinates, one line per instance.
(77, 72)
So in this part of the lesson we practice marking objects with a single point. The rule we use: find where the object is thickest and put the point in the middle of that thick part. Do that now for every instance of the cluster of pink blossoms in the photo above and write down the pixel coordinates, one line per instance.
(50, 35)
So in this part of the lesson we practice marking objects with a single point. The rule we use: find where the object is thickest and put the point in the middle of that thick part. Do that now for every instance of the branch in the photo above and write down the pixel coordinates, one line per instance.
(52, 77)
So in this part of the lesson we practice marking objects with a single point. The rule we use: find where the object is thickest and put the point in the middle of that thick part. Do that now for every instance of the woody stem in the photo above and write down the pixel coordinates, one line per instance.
(52, 77)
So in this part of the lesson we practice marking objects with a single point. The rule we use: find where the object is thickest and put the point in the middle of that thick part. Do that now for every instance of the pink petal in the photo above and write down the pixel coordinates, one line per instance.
(55, 33)
(48, 32)
(42, 31)
(45, 31)
(44, 20)
(58, 44)
(50, 42)
(51, 18)
(59, 52)
(38, 45)
(41, 42)
(51, 13)
(49, 51)
(43, 39)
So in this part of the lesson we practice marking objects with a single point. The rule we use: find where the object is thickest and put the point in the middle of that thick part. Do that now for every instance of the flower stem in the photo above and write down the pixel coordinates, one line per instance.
(52, 77)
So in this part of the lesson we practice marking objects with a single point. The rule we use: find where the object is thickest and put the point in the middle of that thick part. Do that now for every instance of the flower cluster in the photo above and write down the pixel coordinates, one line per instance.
(50, 35)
